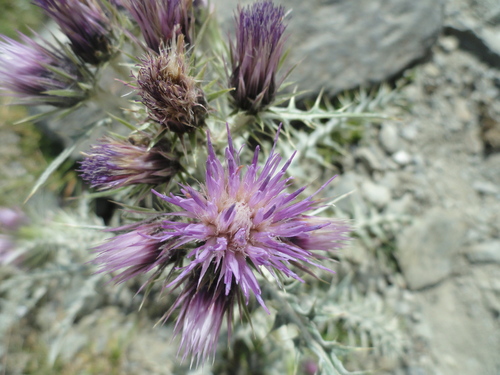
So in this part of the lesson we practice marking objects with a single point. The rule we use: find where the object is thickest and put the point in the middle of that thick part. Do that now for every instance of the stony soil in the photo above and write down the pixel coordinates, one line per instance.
(440, 165)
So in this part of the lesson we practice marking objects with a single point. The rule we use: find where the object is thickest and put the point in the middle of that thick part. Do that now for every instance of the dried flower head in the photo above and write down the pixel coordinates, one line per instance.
(85, 24)
(37, 74)
(161, 21)
(255, 55)
(171, 96)
(114, 163)
(238, 224)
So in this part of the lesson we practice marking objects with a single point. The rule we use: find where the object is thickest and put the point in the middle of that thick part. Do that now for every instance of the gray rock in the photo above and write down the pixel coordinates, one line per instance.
(449, 43)
(348, 184)
(409, 132)
(426, 249)
(400, 206)
(369, 159)
(486, 252)
(416, 370)
(480, 41)
(377, 194)
(344, 44)
(402, 158)
(389, 139)
(485, 187)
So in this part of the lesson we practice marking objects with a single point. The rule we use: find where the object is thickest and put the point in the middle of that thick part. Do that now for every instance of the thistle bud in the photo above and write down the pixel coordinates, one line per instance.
(37, 74)
(86, 26)
(114, 163)
(255, 55)
(171, 95)
(162, 21)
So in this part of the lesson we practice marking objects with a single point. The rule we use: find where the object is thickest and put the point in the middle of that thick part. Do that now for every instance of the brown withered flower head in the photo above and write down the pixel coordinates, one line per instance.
(170, 94)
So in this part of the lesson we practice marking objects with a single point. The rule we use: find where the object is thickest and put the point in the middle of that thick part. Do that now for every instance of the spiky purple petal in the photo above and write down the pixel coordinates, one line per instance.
(161, 21)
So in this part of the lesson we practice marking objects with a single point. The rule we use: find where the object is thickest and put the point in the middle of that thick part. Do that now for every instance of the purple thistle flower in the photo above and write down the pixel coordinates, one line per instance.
(115, 163)
(86, 26)
(241, 221)
(161, 21)
(255, 55)
(202, 310)
(236, 225)
(171, 95)
(30, 71)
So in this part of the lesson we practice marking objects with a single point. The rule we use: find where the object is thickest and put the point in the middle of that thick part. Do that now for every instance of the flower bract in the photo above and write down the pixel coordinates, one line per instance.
(256, 54)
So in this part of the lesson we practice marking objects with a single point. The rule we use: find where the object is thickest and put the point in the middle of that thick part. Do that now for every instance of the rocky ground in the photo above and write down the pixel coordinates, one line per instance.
(440, 165)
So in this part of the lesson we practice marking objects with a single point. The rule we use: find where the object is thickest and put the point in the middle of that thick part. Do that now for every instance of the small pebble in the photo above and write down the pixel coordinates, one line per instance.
(402, 158)
(389, 139)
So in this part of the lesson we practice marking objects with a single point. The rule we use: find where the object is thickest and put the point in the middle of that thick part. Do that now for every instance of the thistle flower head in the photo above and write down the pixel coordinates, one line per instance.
(240, 222)
(34, 73)
(114, 163)
(161, 21)
(139, 251)
(86, 26)
(255, 55)
(11, 218)
(171, 96)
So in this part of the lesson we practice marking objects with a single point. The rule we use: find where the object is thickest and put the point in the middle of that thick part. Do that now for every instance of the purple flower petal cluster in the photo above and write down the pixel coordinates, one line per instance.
(255, 55)
(202, 310)
(114, 163)
(139, 252)
(161, 21)
(240, 222)
(85, 24)
(171, 96)
(30, 72)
